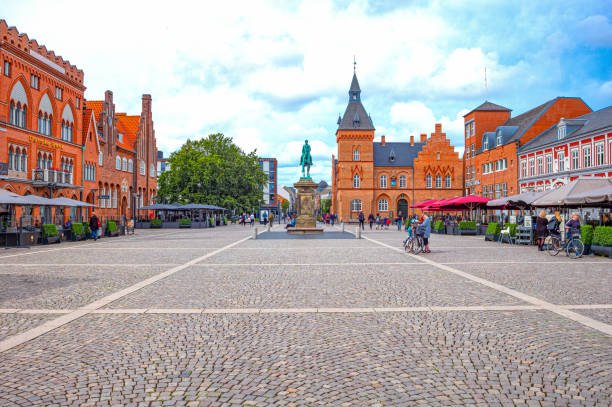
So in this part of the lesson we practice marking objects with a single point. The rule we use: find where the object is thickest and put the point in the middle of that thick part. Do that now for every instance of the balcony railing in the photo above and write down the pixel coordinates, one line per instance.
(52, 176)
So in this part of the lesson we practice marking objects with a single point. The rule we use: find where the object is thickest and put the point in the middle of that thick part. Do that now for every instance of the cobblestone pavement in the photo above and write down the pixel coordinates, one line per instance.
(301, 322)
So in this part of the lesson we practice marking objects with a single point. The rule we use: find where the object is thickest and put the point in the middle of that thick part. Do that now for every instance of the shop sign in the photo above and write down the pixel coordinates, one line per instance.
(104, 197)
(44, 142)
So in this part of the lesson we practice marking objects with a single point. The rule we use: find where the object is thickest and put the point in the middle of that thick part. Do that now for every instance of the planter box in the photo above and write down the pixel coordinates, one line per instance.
(52, 239)
(440, 231)
(184, 226)
(602, 250)
(155, 226)
(467, 232)
(481, 229)
(76, 237)
(491, 238)
(112, 234)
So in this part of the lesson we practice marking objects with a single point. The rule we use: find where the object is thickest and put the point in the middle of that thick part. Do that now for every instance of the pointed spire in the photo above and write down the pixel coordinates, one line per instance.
(339, 120)
(354, 91)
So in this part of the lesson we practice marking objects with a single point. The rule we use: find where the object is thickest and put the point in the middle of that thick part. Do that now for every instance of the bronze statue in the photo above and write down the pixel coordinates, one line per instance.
(306, 160)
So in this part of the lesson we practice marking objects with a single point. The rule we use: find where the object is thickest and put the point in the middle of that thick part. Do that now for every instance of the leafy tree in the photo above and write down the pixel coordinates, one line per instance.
(325, 205)
(213, 171)
(285, 206)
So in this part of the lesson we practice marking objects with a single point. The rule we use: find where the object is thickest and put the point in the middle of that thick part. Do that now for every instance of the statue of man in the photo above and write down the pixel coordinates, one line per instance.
(306, 160)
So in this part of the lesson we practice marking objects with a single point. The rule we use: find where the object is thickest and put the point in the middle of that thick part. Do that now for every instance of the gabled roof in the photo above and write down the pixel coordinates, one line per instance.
(403, 154)
(577, 127)
(130, 124)
(489, 107)
(125, 127)
(355, 117)
(525, 120)
(96, 106)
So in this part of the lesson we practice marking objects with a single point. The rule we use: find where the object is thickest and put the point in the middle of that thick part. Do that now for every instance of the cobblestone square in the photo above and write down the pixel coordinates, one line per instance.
(212, 317)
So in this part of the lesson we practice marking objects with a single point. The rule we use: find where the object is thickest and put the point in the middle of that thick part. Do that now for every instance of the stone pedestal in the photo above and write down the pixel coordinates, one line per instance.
(305, 223)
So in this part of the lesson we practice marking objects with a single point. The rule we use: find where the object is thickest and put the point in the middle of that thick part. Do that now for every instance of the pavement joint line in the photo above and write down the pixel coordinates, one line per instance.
(88, 264)
(305, 264)
(48, 326)
(590, 322)
(78, 245)
(363, 310)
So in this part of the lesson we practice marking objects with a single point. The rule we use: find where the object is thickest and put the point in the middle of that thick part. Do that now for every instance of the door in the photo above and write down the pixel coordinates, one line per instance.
(402, 205)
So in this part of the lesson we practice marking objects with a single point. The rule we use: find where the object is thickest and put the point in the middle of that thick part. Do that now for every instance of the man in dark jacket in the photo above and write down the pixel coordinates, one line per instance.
(93, 225)
(361, 220)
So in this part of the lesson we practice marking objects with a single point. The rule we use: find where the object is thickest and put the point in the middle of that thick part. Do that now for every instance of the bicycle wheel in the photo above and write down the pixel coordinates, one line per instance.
(575, 248)
(554, 246)
(418, 246)
(407, 245)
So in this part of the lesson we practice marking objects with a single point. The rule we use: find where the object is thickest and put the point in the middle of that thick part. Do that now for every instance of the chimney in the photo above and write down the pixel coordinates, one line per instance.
(382, 140)
(411, 140)
(423, 137)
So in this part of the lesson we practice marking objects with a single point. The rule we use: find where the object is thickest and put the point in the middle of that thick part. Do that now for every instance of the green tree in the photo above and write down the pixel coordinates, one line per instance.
(285, 206)
(325, 205)
(213, 171)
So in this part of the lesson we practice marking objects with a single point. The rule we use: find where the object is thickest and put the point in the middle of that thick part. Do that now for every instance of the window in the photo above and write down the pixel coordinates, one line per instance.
(118, 163)
(34, 81)
(428, 181)
(383, 205)
(402, 181)
(355, 205)
(438, 181)
(497, 165)
(130, 166)
(575, 159)
(561, 160)
(58, 93)
(356, 155)
(114, 197)
(78, 103)
(473, 127)
(467, 153)
(505, 163)
(473, 149)
(11, 157)
(497, 191)
(491, 191)
(504, 189)
(540, 165)
(383, 181)
(103, 201)
(561, 131)
(587, 156)
(484, 191)
(473, 171)
(531, 167)
(498, 140)
(100, 159)
(124, 165)
(485, 143)
(599, 148)
(7, 68)
(152, 172)
(467, 130)
(66, 133)
(438, 156)
(447, 181)
(142, 167)
(467, 172)
(549, 164)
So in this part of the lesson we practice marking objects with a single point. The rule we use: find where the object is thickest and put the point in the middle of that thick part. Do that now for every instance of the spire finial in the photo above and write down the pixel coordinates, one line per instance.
(354, 64)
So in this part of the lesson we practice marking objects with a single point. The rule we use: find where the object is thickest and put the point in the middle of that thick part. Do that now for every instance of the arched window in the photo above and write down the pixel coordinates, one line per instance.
(70, 133)
(383, 205)
(103, 201)
(447, 181)
(130, 166)
(24, 160)
(356, 182)
(12, 113)
(48, 132)
(438, 181)
(49, 162)
(383, 181)
(124, 166)
(118, 163)
(40, 124)
(428, 181)
(356, 155)
(23, 116)
(39, 162)
(11, 157)
(115, 197)
(402, 181)
(17, 115)
(356, 205)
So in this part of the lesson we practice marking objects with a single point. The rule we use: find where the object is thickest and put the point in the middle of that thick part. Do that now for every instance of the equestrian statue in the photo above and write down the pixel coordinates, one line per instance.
(306, 160)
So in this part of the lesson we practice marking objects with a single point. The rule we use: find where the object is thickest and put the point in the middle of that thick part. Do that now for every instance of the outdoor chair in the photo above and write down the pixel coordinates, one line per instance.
(506, 232)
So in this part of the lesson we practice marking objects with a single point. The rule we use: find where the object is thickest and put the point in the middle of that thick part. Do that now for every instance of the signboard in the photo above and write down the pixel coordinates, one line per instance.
(3, 168)
(103, 196)
(512, 219)
(527, 221)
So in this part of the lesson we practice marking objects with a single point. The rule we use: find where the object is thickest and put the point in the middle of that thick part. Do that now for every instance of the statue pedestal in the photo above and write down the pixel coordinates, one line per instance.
(305, 223)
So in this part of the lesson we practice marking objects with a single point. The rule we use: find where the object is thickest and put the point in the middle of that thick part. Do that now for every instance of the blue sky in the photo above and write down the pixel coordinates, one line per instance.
(271, 74)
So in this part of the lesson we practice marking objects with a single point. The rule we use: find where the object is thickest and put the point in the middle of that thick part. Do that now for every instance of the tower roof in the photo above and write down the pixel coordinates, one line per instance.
(489, 107)
(355, 116)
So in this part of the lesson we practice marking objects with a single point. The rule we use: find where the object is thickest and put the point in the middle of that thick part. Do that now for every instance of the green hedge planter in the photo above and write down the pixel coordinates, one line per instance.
(78, 231)
(50, 234)
(467, 227)
(86, 229)
(184, 223)
(586, 233)
(111, 228)
(602, 241)
(493, 230)
(439, 226)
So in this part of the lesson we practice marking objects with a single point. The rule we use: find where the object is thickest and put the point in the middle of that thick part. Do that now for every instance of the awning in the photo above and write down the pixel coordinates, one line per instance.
(600, 196)
(565, 195)
(424, 203)
(68, 202)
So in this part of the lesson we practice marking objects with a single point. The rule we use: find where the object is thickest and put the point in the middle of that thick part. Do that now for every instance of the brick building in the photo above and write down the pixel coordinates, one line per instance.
(126, 158)
(493, 137)
(269, 190)
(570, 149)
(385, 178)
(40, 123)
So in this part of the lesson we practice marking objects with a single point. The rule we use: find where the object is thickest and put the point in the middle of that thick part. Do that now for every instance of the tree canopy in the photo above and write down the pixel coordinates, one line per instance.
(213, 170)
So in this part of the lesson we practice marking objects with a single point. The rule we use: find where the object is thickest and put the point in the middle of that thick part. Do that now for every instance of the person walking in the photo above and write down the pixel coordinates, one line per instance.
(426, 226)
(333, 219)
(93, 226)
(377, 221)
(399, 220)
(361, 220)
(541, 230)
(371, 220)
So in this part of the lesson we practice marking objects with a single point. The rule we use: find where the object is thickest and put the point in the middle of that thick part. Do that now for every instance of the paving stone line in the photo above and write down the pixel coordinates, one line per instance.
(48, 326)
(591, 323)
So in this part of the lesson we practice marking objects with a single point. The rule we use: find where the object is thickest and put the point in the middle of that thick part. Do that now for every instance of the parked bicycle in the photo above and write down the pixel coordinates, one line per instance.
(574, 247)
(414, 244)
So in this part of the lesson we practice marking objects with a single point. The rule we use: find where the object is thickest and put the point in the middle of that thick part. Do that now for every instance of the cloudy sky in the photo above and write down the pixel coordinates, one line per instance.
(271, 74)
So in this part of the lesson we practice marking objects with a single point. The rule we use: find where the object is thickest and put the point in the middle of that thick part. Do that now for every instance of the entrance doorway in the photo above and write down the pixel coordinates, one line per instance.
(402, 205)
(124, 207)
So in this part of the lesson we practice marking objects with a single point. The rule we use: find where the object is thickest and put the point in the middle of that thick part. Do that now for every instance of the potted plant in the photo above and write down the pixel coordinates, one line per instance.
(111, 228)
(156, 223)
(50, 234)
(78, 231)
(467, 227)
(184, 223)
(602, 241)
(586, 233)
(439, 227)
(493, 231)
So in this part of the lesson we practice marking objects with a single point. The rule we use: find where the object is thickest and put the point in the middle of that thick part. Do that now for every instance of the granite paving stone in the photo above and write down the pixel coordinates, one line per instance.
(12, 324)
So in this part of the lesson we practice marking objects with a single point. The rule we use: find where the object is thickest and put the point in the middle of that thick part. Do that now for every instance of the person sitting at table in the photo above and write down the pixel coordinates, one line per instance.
(291, 224)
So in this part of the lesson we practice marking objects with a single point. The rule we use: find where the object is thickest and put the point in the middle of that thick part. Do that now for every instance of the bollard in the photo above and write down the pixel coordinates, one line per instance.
(254, 233)
(269, 226)
(342, 227)
(358, 233)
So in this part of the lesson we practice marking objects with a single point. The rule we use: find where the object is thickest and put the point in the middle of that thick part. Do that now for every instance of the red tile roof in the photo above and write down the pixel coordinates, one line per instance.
(124, 142)
(96, 106)
(130, 125)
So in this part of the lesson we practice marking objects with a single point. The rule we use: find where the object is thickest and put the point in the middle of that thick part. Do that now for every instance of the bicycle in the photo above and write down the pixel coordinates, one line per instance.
(574, 247)
(414, 244)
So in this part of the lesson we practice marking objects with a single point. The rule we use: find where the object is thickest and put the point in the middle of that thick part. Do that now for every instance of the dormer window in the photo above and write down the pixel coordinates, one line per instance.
(498, 141)
(561, 130)
(485, 143)
(356, 120)
(392, 156)
(120, 137)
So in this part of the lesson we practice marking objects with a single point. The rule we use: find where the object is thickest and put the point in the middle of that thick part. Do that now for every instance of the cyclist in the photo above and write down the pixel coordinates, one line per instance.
(573, 223)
